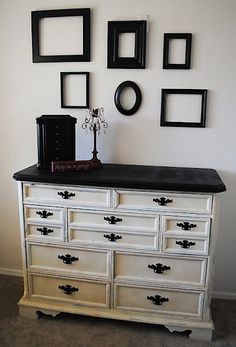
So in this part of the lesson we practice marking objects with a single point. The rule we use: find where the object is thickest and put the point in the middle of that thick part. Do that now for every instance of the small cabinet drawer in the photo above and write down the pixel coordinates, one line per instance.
(159, 201)
(43, 214)
(113, 221)
(184, 245)
(99, 197)
(178, 271)
(47, 233)
(113, 239)
(185, 225)
(82, 261)
(158, 300)
(80, 292)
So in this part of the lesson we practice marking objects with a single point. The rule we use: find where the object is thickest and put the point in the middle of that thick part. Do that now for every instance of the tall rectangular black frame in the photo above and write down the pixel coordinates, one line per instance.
(115, 28)
(166, 50)
(62, 78)
(36, 16)
(166, 92)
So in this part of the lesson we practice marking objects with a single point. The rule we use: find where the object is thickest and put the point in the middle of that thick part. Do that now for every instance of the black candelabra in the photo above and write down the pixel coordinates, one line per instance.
(95, 121)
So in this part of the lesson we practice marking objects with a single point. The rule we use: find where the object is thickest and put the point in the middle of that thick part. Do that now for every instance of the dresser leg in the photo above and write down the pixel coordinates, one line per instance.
(33, 313)
(201, 334)
(196, 333)
(28, 312)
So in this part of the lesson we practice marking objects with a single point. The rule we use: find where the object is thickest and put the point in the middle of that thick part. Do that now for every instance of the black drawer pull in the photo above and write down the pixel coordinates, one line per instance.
(112, 219)
(158, 268)
(67, 258)
(186, 225)
(162, 201)
(157, 299)
(45, 231)
(68, 289)
(44, 214)
(112, 237)
(185, 243)
(66, 195)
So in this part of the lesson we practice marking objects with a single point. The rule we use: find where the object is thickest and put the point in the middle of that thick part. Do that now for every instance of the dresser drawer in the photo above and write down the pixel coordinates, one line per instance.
(113, 239)
(79, 292)
(183, 245)
(185, 225)
(61, 195)
(178, 271)
(46, 233)
(43, 214)
(77, 261)
(108, 221)
(159, 201)
(156, 300)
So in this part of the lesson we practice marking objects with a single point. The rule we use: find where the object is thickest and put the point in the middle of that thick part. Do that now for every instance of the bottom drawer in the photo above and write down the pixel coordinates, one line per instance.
(79, 292)
(156, 300)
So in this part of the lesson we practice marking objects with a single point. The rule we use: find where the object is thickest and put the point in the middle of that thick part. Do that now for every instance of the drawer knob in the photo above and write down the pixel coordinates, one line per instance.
(185, 243)
(44, 214)
(112, 237)
(67, 258)
(45, 231)
(112, 219)
(68, 289)
(157, 299)
(158, 268)
(186, 225)
(66, 195)
(162, 201)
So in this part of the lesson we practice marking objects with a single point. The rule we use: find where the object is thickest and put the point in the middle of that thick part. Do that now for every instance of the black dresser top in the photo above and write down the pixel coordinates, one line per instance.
(132, 176)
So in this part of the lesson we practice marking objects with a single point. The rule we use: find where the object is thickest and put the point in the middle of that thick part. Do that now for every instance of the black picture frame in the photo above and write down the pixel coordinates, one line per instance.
(117, 98)
(37, 16)
(166, 50)
(202, 116)
(63, 76)
(115, 28)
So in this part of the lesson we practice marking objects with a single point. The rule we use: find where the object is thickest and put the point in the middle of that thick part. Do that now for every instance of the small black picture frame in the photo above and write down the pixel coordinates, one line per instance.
(201, 123)
(85, 92)
(138, 98)
(166, 50)
(36, 21)
(115, 29)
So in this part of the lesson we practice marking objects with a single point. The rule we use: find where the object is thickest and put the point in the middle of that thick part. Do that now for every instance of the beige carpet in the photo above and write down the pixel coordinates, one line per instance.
(77, 331)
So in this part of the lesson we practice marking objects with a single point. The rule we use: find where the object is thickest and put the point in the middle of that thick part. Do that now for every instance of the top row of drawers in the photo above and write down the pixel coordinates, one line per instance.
(116, 198)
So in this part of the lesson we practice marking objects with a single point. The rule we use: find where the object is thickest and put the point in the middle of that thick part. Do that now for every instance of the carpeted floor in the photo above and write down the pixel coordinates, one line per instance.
(78, 331)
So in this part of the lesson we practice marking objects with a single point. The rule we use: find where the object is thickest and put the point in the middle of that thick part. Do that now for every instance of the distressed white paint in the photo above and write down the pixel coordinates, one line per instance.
(104, 275)
(29, 90)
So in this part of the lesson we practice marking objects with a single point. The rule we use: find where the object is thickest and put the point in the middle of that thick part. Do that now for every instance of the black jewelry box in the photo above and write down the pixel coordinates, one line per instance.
(55, 139)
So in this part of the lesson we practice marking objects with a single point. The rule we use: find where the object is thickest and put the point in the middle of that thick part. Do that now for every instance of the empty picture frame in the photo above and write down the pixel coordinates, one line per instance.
(74, 89)
(117, 32)
(183, 108)
(177, 51)
(118, 98)
(61, 35)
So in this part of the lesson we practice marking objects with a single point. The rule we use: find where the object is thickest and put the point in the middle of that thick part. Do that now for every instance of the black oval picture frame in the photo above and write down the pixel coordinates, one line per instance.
(138, 95)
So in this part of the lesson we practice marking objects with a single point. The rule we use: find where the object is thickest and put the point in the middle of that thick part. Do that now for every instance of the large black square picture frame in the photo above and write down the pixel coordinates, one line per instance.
(115, 28)
(202, 116)
(37, 16)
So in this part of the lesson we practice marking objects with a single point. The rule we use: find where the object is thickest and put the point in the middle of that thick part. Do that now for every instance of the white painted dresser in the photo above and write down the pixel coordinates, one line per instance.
(124, 242)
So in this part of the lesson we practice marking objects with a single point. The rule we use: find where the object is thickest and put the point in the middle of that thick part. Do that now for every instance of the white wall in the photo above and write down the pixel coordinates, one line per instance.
(29, 90)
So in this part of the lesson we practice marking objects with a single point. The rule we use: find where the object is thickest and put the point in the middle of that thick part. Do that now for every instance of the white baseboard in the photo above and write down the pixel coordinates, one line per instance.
(11, 272)
(215, 294)
(224, 295)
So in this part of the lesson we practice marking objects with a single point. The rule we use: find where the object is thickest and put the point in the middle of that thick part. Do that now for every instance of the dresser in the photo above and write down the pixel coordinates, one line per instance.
(125, 242)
